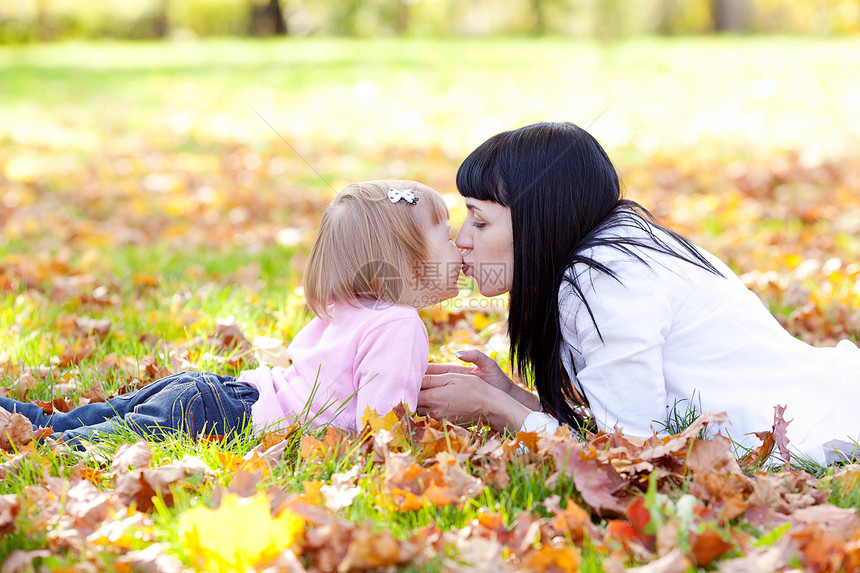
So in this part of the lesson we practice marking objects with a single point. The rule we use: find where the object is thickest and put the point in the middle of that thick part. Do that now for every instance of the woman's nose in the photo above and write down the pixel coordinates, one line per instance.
(463, 239)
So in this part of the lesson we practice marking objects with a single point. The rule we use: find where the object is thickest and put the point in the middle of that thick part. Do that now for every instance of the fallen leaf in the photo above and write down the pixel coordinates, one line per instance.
(151, 559)
(756, 458)
(779, 432)
(553, 558)
(342, 491)
(707, 546)
(270, 352)
(10, 507)
(372, 550)
(87, 326)
(16, 431)
(237, 535)
(673, 562)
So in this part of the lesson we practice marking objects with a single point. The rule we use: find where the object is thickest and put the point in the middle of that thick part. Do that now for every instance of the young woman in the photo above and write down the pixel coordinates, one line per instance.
(611, 310)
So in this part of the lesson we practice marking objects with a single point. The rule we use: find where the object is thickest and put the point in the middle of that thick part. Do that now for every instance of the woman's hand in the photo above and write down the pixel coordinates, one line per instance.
(473, 394)
(484, 368)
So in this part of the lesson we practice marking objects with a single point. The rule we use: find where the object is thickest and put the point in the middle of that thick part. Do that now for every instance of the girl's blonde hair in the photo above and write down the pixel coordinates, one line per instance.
(369, 247)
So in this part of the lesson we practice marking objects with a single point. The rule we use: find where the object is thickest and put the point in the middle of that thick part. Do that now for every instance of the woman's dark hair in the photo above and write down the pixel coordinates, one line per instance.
(562, 190)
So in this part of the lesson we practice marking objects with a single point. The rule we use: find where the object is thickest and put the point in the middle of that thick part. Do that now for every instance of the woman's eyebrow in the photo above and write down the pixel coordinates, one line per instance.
(471, 207)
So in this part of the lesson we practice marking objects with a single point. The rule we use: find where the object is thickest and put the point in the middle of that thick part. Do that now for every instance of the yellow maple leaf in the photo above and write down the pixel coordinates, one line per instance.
(388, 422)
(238, 534)
(377, 422)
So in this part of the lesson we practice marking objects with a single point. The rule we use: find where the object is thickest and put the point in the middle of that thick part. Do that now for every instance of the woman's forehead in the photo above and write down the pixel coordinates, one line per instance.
(483, 207)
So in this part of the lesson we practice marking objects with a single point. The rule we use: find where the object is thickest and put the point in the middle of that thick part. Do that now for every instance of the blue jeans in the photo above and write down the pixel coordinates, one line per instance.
(193, 402)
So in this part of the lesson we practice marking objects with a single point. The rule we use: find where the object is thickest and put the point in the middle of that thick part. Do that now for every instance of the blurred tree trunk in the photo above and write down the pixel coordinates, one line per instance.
(162, 22)
(609, 24)
(539, 11)
(666, 12)
(43, 30)
(402, 16)
(267, 18)
(730, 15)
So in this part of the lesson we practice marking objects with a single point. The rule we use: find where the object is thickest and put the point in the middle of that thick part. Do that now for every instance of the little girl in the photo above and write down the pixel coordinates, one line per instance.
(383, 250)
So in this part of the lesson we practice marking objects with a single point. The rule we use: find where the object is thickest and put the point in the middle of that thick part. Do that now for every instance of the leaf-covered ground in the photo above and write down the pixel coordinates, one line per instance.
(152, 221)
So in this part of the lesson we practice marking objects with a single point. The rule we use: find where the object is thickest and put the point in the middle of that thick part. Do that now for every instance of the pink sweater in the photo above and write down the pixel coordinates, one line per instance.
(363, 357)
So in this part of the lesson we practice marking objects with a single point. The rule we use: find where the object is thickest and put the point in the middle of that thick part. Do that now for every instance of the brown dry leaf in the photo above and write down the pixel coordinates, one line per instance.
(192, 465)
(673, 562)
(597, 482)
(680, 442)
(572, 521)
(712, 456)
(271, 456)
(779, 435)
(311, 446)
(87, 326)
(271, 439)
(10, 467)
(820, 549)
(10, 507)
(96, 393)
(228, 335)
(342, 491)
(151, 559)
(243, 484)
(444, 482)
(20, 561)
(76, 352)
(847, 477)
(373, 550)
(84, 510)
(150, 369)
(553, 558)
(124, 531)
(16, 431)
(131, 456)
(140, 485)
(843, 519)
(707, 546)
(756, 458)
(327, 543)
(55, 405)
(24, 384)
(727, 493)
(785, 492)
(523, 444)
(448, 438)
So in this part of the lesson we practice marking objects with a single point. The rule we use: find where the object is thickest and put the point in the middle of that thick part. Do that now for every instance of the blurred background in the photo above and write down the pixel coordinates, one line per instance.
(160, 146)
(39, 20)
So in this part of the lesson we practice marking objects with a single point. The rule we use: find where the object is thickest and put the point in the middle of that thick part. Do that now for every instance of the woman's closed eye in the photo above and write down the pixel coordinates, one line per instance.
(478, 225)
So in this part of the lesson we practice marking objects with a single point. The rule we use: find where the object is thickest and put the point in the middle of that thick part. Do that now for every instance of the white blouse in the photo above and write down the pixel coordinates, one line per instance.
(678, 336)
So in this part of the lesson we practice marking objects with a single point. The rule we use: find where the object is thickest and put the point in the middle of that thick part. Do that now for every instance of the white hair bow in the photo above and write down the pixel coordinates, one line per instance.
(394, 196)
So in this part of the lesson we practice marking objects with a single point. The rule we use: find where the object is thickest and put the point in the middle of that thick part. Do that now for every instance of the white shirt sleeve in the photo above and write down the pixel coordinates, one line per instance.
(538, 421)
(622, 376)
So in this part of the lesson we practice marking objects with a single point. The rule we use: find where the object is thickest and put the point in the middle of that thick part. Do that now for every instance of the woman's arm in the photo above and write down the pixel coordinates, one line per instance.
(623, 373)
